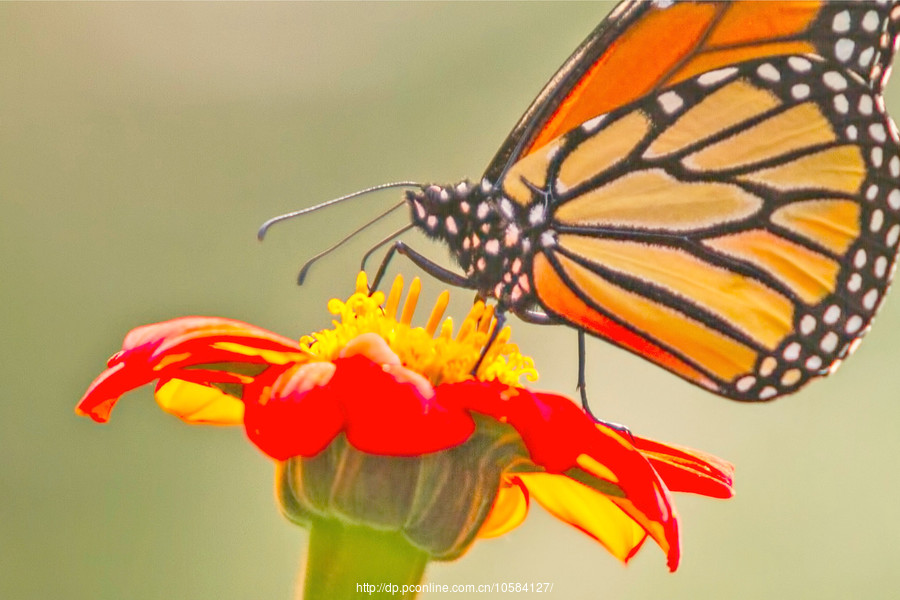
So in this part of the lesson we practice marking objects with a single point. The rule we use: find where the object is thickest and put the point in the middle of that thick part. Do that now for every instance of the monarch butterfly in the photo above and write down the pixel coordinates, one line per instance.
(714, 186)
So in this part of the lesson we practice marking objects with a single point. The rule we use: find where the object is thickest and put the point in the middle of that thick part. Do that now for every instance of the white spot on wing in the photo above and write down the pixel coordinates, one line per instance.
(841, 22)
(835, 81)
(767, 392)
(854, 324)
(877, 220)
(829, 342)
(800, 91)
(865, 57)
(670, 102)
(870, 299)
(865, 104)
(767, 71)
(807, 324)
(870, 21)
(841, 104)
(893, 199)
(881, 264)
(792, 352)
(716, 76)
(877, 156)
(745, 383)
(591, 125)
(878, 133)
(843, 49)
(799, 64)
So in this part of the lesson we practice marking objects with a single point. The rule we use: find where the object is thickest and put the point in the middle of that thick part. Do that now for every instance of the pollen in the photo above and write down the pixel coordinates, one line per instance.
(432, 350)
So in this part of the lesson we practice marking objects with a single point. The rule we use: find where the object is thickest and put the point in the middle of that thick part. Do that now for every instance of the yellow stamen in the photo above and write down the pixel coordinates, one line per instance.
(412, 298)
(442, 358)
(446, 329)
(362, 283)
(390, 309)
(470, 323)
(437, 312)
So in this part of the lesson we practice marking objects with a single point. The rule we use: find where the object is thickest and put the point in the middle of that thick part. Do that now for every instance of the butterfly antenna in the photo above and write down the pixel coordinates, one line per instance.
(309, 263)
(368, 254)
(265, 226)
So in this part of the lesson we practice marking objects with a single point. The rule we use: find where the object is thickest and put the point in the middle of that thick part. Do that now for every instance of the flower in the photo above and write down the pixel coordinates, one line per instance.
(378, 423)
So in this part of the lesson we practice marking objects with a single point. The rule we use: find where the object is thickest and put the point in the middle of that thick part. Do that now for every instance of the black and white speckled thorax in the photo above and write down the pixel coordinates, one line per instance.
(487, 234)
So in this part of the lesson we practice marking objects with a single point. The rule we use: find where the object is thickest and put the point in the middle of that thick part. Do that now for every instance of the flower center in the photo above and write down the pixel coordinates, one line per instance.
(432, 350)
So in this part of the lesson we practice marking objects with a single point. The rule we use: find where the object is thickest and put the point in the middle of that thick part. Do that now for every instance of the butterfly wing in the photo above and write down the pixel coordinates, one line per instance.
(737, 226)
(644, 46)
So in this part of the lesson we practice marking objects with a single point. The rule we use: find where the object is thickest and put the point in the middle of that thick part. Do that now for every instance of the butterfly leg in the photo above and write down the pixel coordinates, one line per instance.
(499, 321)
(535, 317)
(582, 389)
(435, 270)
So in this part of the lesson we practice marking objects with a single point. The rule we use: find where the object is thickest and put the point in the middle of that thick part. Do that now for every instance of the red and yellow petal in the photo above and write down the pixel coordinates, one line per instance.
(593, 513)
(180, 349)
(586, 465)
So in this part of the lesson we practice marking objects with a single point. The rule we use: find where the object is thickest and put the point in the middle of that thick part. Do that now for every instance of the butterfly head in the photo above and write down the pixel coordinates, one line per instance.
(440, 211)
(484, 235)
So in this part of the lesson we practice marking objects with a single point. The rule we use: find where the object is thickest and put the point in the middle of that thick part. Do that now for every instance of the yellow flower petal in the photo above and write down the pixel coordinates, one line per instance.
(199, 404)
(588, 510)
(509, 510)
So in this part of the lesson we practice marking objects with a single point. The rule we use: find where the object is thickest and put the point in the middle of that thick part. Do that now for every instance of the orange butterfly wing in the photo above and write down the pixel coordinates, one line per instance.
(742, 247)
(644, 46)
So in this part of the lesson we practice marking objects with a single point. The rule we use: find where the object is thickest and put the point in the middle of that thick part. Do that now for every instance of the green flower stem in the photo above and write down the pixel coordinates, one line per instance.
(343, 559)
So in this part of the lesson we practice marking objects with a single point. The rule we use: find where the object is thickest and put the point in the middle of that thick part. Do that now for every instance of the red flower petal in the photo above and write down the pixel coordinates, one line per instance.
(162, 350)
(378, 413)
(291, 419)
(688, 470)
(105, 390)
(559, 435)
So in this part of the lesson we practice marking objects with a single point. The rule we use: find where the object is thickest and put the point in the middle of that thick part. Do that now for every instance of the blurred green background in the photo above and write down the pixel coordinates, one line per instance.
(140, 147)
